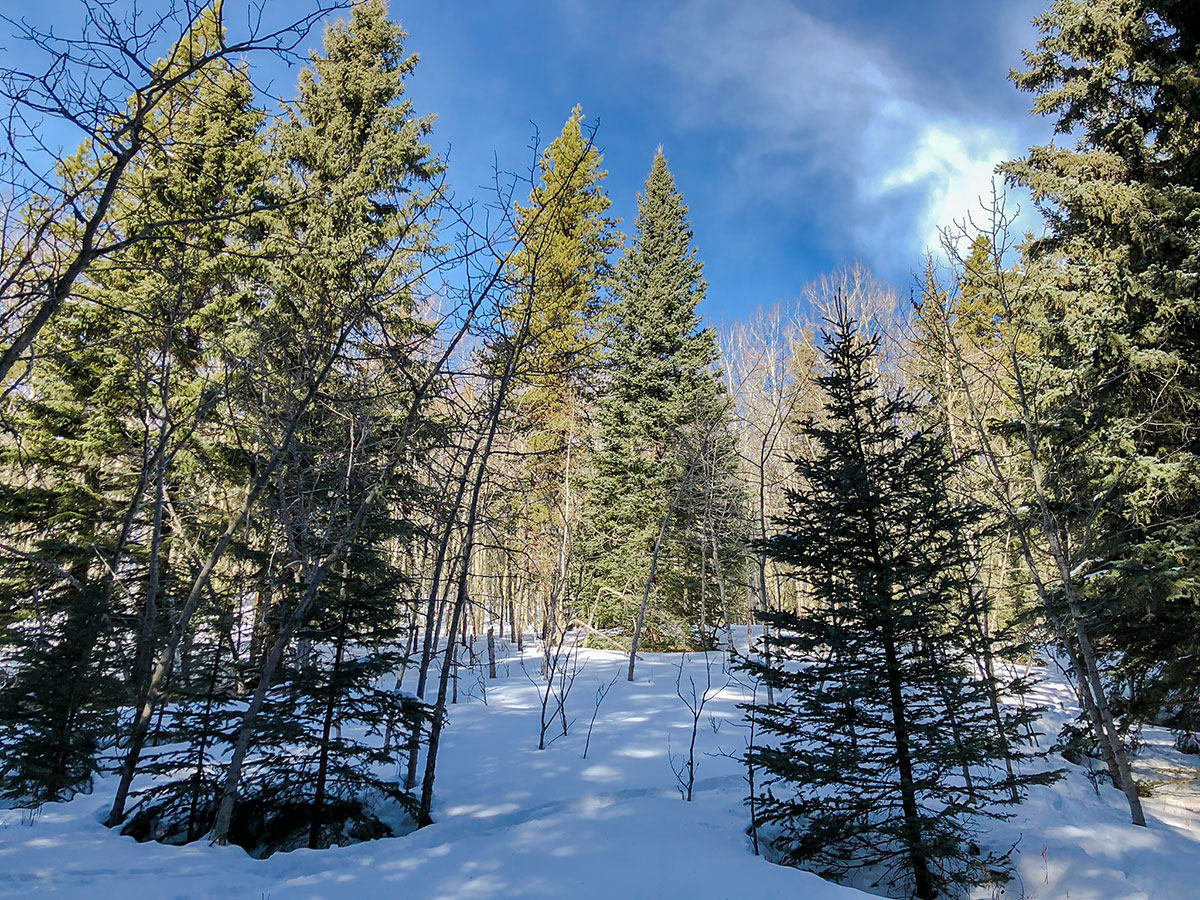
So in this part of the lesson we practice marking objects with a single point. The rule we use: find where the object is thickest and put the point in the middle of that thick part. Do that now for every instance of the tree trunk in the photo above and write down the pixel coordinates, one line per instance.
(314, 832)
(424, 811)
(908, 797)
(658, 542)
(721, 588)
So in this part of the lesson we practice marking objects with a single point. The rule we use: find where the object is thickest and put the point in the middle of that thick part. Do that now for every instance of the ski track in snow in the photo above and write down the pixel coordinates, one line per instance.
(515, 822)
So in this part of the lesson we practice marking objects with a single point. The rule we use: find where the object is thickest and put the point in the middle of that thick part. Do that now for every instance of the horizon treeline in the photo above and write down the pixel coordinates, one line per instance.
(291, 436)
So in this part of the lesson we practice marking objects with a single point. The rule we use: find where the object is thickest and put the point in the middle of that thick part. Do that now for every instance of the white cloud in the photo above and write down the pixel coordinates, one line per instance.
(802, 98)
(952, 170)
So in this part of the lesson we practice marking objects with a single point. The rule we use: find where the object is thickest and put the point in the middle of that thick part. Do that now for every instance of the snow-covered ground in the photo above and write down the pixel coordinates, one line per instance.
(1076, 841)
(513, 821)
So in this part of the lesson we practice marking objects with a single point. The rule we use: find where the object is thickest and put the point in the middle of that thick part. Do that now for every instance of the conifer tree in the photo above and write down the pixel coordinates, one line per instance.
(566, 238)
(350, 174)
(362, 171)
(559, 270)
(880, 750)
(120, 408)
(661, 384)
(1119, 326)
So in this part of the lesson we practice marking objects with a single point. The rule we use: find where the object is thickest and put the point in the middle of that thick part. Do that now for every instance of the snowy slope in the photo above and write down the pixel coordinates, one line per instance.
(515, 822)
(1076, 842)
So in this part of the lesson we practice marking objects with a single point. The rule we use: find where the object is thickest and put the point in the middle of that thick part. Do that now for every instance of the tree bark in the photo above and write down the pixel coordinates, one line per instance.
(658, 542)
(908, 797)
(314, 833)
(721, 588)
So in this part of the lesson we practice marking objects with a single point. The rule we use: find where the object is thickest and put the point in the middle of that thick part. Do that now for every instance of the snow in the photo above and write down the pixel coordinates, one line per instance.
(1076, 841)
(515, 822)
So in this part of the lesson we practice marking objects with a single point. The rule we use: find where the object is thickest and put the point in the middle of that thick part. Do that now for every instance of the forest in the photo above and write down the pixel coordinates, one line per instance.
(299, 446)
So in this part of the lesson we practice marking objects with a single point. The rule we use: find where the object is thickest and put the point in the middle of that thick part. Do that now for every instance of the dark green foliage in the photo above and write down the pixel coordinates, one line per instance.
(56, 706)
(1120, 333)
(319, 743)
(881, 751)
(662, 392)
(124, 377)
(64, 659)
(317, 774)
(161, 389)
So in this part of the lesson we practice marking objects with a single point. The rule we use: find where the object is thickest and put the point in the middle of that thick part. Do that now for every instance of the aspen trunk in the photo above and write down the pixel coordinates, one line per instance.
(721, 588)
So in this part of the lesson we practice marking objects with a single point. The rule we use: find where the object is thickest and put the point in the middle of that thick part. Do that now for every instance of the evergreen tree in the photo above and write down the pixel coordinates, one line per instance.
(361, 171)
(705, 562)
(318, 773)
(350, 170)
(562, 262)
(880, 750)
(662, 391)
(558, 273)
(1119, 327)
(119, 415)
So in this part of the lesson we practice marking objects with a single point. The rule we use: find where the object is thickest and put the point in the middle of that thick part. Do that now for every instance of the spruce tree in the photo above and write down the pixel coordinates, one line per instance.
(361, 171)
(350, 169)
(118, 415)
(318, 774)
(661, 395)
(1119, 326)
(880, 751)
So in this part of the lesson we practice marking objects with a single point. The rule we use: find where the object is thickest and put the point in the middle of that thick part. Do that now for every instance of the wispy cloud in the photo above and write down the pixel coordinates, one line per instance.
(812, 111)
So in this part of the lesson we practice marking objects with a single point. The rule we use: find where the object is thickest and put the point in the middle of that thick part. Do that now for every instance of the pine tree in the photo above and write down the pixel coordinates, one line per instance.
(566, 237)
(661, 388)
(558, 273)
(880, 750)
(1119, 327)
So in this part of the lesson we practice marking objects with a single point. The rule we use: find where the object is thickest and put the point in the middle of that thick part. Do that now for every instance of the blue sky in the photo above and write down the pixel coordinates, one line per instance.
(803, 133)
